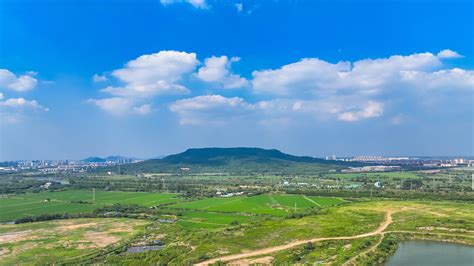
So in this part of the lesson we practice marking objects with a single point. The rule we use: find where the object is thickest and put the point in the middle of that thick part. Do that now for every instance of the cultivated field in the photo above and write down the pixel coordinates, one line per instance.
(51, 242)
(200, 219)
(74, 201)
(271, 204)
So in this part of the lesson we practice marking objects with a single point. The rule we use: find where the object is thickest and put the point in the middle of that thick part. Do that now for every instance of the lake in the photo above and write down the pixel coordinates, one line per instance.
(432, 253)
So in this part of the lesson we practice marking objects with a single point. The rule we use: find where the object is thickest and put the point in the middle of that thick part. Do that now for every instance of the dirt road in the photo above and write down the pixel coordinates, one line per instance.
(387, 221)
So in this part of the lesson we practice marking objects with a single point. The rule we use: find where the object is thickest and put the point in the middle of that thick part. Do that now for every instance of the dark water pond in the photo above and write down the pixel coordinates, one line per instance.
(432, 253)
(140, 249)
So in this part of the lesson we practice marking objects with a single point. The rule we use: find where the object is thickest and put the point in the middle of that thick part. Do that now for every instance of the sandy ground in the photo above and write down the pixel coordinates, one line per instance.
(4, 251)
(100, 239)
(72, 226)
(387, 221)
(267, 260)
(15, 236)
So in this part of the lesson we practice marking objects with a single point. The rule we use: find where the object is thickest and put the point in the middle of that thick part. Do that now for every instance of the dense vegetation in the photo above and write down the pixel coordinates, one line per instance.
(235, 161)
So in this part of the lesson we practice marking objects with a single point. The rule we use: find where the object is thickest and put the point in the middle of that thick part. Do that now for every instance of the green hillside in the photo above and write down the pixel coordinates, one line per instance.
(235, 161)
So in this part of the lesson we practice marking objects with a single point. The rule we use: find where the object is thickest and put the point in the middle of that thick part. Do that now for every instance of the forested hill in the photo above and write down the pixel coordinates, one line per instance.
(235, 161)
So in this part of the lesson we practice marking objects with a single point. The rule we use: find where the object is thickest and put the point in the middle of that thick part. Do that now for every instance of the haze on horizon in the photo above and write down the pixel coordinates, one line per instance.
(106, 78)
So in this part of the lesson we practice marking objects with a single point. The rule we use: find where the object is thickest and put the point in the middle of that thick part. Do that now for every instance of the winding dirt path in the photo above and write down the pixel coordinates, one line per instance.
(387, 221)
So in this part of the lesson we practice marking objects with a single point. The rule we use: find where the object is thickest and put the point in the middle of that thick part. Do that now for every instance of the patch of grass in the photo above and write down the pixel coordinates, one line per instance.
(54, 241)
(75, 201)
(343, 220)
(269, 204)
(378, 175)
(194, 219)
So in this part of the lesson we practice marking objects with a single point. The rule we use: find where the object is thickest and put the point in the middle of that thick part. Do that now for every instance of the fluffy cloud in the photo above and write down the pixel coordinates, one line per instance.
(310, 88)
(217, 70)
(21, 83)
(371, 109)
(216, 109)
(143, 109)
(145, 77)
(99, 78)
(22, 104)
(315, 89)
(152, 74)
(146, 90)
(209, 109)
(305, 76)
(195, 3)
(121, 106)
(448, 79)
(313, 76)
(448, 54)
(341, 108)
(239, 7)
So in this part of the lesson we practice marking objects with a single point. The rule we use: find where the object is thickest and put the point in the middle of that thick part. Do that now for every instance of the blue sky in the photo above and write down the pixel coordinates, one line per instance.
(147, 78)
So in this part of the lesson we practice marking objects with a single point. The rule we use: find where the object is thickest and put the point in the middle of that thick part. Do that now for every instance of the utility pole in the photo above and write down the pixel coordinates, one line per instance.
(295, 206)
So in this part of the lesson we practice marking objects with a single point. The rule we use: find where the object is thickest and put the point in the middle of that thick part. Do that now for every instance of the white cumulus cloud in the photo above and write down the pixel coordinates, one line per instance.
(23, 104)
(312, 76)
(217, 70)
(448, 54)
(195, 3)
(152, 74)
(99, 78)
(209, 109)
(369, 110)
(144, 78)
(120, 106)
(20, 83)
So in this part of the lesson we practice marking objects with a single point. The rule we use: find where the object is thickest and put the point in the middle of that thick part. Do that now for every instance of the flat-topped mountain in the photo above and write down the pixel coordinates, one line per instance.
(235, 160)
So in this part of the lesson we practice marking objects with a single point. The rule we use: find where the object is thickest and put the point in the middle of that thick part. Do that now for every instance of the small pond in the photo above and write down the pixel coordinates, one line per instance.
(139, 249)
(432, 253)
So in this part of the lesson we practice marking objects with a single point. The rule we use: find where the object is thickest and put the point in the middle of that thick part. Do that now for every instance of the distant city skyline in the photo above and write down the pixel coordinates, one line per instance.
(317, 78)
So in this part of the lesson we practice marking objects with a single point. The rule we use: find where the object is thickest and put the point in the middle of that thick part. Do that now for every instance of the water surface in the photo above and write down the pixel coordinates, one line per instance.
(432, 253)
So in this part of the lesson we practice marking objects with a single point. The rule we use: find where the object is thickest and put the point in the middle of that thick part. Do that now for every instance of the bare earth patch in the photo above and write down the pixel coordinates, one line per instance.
(72, 226)
(267, 260)
(15, 236)
(100, 239)
(4, 251)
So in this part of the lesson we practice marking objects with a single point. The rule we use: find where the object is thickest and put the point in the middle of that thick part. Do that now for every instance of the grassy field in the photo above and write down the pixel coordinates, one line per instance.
(51, 242)
(271, 204)
(452, 221)
(194, 219)
(213, 227)
(23, 205)
(378, 175)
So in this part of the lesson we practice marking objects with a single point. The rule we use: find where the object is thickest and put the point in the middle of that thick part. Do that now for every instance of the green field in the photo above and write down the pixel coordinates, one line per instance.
(197, 219)
(411, 219)
(271, 204)
(377, 175)
(53, 242)
(32, 204)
